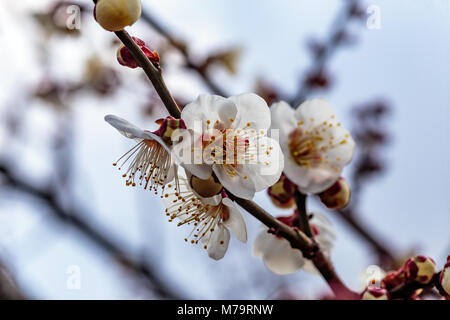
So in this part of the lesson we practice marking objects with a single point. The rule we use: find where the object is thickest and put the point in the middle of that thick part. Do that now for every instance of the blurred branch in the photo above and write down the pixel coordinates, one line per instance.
(182, 48)
(382, 249)
(316, 76)
(74, 219)
(9, 290)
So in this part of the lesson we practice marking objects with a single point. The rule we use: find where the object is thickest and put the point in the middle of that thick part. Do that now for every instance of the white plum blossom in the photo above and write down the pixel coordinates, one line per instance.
(229, 139)
(277, 253)
(150, 162)
(211, 218)
(315, 145)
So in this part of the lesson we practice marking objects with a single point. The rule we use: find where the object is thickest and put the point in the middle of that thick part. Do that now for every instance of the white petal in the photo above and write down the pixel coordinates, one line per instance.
(124, 127)
(205, 107)
(260, 242)
(235, 222)
(237, 185)
(310, 267)
(327, 233)
(216, 250)
(202, 171)
(284, 120)
(309, 180)
(270, 164)
(251, 109)
(280, 258)
(315, 111)
(342, 154)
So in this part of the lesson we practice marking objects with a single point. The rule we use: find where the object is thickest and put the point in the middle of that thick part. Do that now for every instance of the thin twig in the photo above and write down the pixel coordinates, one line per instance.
(321, 262)
(302, 214)
(327, 51)
(351, 219)
(153, 73)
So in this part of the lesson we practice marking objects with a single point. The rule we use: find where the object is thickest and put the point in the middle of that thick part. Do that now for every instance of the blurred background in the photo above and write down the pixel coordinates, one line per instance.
(69, 229)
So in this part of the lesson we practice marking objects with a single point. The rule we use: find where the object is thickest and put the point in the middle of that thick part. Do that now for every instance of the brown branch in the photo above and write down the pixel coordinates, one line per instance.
(73, 218)
(302, 214)
(153, 73)
(9, 290)
(350, 218)
(321, 262)
(297, 239)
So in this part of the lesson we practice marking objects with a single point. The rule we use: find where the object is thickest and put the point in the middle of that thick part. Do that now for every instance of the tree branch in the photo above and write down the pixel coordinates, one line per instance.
(72, 218)
(153, 73)
(348, 216)
(9, 290)
(302, 214)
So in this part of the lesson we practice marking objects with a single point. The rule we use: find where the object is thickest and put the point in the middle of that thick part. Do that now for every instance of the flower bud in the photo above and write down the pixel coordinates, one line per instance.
(115, 15)
(444, 278)
(125, 58)
(282, 193)
(394, 279)
(337, 196)
(420, 269)
(206, 188)
(167, 126)
(374, 293)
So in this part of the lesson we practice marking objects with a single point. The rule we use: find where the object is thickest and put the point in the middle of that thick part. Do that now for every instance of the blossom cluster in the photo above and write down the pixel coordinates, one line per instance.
(225, 148)
(239, 146)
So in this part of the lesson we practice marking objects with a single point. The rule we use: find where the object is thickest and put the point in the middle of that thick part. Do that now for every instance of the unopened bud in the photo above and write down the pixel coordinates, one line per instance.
(125, 58)
(115, 15)
(394, 279)
(374, 293)
(337, 196)
(167, 126)
(206, 188)
(282, 193)
(420, 269)
(444, 278)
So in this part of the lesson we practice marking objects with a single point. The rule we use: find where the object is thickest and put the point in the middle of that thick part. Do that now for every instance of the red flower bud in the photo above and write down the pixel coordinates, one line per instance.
(394, 279)
(282, 193)
(420, 269)
(337, 196)
(444, 280)
(125, 58)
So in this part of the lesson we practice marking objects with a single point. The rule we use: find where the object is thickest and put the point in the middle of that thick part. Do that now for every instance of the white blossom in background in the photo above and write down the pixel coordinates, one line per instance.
(315, 145)
(229, 139)
(211, 219)
(277, 253)
(150, 162)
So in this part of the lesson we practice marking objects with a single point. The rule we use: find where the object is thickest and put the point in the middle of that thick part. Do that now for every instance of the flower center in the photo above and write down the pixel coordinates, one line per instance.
(304, 148)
